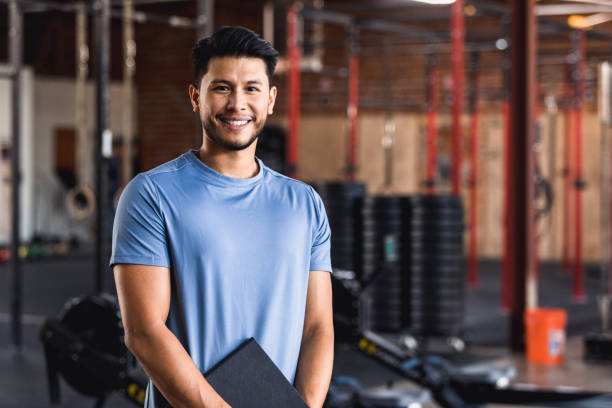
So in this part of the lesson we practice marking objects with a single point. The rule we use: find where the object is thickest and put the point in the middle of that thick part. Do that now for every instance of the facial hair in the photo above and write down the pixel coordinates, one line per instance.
(211, 132)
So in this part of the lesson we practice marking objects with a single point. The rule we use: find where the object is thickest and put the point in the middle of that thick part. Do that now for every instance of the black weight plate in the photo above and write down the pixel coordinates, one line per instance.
(342, 187)
(444, 281)
(432, 236)
(456, 212)
(434, 200)
(435, 247)
(450, 305)
(437, 286)
(96, 321)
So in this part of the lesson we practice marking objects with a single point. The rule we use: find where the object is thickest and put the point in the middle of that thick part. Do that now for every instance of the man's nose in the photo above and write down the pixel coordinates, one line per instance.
(237, 101)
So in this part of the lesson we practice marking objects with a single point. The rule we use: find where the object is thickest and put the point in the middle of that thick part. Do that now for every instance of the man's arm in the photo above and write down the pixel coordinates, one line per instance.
(144, 299)
(316, 359)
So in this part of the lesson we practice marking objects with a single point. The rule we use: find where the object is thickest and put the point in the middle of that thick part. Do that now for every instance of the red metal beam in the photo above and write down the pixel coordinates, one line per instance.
(293, 53)
(567, 173)
(506, 281)
(475, 117)
(578, 285)
(432, 118)
(352, 113)
(457, 40)
(521, 208)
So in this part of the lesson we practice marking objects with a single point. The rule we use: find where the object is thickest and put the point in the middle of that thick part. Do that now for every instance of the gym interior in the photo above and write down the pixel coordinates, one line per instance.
(462, 148)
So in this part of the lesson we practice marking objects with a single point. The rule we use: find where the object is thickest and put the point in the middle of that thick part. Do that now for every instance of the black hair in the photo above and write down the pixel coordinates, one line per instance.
(232, 42)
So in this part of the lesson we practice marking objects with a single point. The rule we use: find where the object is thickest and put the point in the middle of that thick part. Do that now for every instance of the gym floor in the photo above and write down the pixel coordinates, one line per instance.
(23, 380)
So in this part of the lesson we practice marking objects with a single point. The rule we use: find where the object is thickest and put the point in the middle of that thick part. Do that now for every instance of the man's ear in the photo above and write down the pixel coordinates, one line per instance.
(194, 97)
(272, 100)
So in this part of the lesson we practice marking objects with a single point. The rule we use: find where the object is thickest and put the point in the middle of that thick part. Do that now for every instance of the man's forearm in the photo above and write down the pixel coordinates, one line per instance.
(315, 365)
(172, 370)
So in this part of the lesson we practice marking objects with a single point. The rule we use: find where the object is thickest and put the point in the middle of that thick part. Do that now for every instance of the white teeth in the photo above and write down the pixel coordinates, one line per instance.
(237, 122)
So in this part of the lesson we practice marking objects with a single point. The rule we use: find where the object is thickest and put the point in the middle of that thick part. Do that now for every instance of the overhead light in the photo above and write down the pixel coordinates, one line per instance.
(577, 21)
(501, 44)
(435, 2)
(584, 23)
(470, 10)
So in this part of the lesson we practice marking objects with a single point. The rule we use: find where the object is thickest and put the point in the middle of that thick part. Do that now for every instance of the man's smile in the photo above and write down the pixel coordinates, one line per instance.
(234, 123)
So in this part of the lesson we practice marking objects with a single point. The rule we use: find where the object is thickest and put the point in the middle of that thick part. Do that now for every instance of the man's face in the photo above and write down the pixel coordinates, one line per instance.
(234, 100)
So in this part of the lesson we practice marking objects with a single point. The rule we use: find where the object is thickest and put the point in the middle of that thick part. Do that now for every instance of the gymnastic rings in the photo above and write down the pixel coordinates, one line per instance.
(80, 202)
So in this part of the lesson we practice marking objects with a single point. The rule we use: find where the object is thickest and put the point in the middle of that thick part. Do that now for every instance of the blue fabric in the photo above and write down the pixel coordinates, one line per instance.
(239, 253)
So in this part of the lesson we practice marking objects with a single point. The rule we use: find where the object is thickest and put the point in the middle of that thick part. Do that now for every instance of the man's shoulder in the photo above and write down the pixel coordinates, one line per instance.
(171, 167)
(288, 182)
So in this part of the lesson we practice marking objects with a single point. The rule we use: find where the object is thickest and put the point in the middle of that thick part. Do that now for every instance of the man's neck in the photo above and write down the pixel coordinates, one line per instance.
(241, 164)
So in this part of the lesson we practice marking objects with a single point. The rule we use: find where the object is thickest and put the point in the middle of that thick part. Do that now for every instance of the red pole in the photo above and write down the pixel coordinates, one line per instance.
(352, 113)
(293, 53)
(578, 286)
(473, 256)
(432, 116)
(506, 289)
(506, 264)
(457, 61)
(567, 174)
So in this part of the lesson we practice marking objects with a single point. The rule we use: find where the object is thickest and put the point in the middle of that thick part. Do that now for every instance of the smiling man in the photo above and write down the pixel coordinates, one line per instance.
(213, 247)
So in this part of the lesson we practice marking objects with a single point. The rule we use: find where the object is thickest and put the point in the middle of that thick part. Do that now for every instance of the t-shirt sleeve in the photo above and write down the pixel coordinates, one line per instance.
(320, 259)
(139, 232)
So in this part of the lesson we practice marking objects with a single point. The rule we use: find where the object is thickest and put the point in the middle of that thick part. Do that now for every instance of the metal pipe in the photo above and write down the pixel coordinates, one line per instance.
(388, 139)
(507, 270)
(521, 211)
(16, 58)
(84, 156)
(372, 24)
(294, 91)
(206, 18)
(568, 111)
(432, 118)
(129, 68)
(268, 22)
(138, 16)
(353, 103)
(103, 145)
(457, 38)
(605, 197)
(580, 66)
(474, 113)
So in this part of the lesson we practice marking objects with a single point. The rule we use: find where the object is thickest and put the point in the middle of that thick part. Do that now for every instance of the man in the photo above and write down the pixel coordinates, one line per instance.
(213, 248)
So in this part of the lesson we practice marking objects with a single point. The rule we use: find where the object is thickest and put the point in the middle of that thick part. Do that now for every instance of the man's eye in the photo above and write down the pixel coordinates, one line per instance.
(222, 88)
(252, 89)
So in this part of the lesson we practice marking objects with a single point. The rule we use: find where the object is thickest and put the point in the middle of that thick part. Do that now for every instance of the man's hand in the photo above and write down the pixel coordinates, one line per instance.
(144, 299)
(317, 350)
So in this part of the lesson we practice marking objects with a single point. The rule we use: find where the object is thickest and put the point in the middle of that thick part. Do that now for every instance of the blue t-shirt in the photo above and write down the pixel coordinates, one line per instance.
(239, 253)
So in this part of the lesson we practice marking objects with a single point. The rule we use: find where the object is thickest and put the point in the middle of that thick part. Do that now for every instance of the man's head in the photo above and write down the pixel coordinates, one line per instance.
(232, 89)
(232, 42)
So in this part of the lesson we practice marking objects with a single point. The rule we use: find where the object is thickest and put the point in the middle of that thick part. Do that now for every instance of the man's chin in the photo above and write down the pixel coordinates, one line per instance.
(232, 145)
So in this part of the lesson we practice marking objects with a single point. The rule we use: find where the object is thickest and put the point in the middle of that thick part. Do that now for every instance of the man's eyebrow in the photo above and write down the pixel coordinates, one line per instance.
(225, 81)
(221, 81)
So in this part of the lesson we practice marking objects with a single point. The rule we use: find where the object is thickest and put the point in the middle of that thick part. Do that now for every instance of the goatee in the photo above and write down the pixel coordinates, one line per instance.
(211, 132)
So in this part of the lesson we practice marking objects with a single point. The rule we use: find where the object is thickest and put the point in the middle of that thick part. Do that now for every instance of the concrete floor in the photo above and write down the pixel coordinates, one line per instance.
(48, 284)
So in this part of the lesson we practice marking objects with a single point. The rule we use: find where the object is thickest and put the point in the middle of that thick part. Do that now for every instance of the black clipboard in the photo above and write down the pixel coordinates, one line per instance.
(248, 378)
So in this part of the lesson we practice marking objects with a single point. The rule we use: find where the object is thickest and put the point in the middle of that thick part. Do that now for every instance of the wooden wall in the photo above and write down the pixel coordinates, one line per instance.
(323, 146)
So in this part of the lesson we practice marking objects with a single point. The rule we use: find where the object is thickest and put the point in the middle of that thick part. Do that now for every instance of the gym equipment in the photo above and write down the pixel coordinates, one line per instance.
(85, 345)
(472, 386)
(341, 204)
(434, 261)
(347, 392)
(380, 231)
(598, 346)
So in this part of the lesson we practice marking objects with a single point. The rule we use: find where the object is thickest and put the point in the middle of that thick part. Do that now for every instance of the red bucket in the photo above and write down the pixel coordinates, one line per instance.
(545, 334)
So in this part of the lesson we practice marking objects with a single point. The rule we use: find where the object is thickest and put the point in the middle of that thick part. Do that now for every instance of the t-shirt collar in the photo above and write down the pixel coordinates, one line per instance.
(218, 178)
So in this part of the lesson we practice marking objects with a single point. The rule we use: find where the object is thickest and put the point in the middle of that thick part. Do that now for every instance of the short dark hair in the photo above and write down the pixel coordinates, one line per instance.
(232, 42)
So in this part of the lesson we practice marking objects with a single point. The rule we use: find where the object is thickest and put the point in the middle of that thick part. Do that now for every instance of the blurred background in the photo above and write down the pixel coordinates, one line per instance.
(462, 149)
